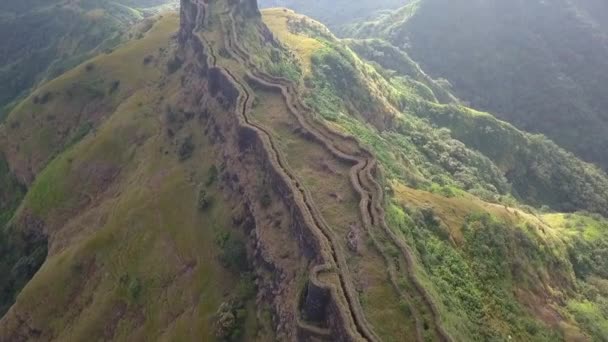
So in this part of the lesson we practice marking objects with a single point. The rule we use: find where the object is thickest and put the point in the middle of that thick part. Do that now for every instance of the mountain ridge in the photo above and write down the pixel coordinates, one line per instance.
(244, 175)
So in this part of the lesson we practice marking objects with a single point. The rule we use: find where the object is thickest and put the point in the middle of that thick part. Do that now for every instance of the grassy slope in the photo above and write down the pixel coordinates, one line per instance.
(494, 270)
(114, 270)
(539, 74)
(59, 36)
(539, 171)
(34, 131)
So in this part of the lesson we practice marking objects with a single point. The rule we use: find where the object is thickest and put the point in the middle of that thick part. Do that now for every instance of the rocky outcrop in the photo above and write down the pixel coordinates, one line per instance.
(247, 8)
(244, 140)
(194, 14)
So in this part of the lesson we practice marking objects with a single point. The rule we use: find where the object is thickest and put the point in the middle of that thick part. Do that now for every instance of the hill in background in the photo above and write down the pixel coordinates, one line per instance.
(43, 39)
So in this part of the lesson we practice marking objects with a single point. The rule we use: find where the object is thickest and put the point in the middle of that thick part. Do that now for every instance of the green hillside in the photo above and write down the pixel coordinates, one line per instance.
(233, 175)
(535, 64)
(113, 269)
(43, 39)
(528, 262)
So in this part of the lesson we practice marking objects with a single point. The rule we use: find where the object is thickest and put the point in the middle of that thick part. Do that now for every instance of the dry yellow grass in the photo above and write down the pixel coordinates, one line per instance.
(453, 211)
(277, 20)
(95, 14)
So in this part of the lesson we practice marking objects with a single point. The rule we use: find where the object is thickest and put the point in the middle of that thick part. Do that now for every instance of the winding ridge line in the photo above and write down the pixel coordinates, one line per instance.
(362, 179)
(343, 270)
(313, 221)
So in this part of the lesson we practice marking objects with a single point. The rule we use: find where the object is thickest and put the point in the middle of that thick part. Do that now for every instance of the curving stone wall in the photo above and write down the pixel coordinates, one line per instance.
(193, 13)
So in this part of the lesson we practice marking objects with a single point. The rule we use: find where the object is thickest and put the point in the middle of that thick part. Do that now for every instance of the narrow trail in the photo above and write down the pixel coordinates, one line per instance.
(332, 259)
(364, 182)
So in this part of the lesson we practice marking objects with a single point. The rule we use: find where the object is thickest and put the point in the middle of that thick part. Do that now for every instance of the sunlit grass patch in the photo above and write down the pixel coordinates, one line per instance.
(278, 21)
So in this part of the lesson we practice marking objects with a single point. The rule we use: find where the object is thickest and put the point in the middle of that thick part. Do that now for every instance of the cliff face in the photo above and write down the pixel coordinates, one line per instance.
(249, 7)
(195, 13)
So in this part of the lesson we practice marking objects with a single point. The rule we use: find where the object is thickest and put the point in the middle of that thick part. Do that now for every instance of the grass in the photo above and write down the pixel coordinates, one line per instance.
(590, 227)
(11, 194)
(132, 255)
(328, 181)
(80, 95)
(278, 21)
(446, 252)
(137, 245)
(591, 316)
(474, 279)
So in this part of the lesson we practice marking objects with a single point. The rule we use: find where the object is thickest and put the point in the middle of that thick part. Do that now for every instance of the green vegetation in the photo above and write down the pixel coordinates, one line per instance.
(538, 170)
(186, 149)
(26, 62)
(475, 282)
(337, 13)
(23, 252)
(395, 64)
(204, 200)
(131, 256)
(592, 316)
(11, 193)
(501, 67)
(149, 235)
(234, 253)
(488, 266)
(231, 317)
(432, 156)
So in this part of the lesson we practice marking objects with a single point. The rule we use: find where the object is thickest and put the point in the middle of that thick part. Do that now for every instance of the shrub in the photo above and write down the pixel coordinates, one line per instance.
(114, 86)
(44, 99)
(265, 199)
(148, 59)
(212, 176)
(230, 321)
(204, 200)
(22, 255)
(134, 289)
(233, 252)
(186, 149)
(174, 64)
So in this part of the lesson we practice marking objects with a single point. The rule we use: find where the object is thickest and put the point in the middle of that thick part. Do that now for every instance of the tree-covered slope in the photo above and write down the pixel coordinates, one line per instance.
(539, 65)
(43, 39)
